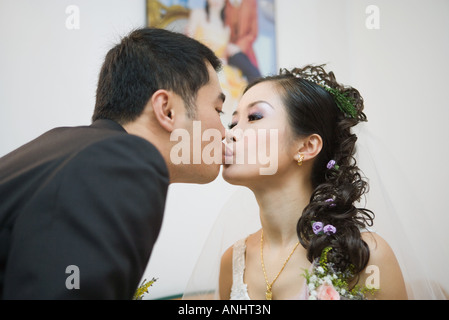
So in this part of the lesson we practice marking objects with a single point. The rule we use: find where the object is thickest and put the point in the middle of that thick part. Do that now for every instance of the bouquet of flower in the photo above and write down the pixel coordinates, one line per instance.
(327, 283)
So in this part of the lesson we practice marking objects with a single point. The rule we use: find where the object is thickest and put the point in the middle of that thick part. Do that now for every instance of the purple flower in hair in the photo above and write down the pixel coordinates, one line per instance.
(331, 202)
(332, 164)
(329, 229)
(317, 227)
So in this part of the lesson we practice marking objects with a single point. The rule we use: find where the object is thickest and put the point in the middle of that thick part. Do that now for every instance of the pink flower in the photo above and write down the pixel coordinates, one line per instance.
(327, 292)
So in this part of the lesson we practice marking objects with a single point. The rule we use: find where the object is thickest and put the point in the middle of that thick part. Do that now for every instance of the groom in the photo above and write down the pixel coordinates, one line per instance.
(81, 207)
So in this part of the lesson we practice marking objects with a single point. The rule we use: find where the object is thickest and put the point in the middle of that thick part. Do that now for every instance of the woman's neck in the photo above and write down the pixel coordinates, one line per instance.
(281, 205)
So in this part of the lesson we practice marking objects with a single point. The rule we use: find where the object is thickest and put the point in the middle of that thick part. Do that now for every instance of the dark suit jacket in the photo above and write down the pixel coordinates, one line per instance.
(91, 197)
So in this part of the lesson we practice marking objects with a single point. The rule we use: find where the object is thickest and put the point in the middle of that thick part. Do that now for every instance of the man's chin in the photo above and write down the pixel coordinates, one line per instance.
(212, 173)
(206, 174)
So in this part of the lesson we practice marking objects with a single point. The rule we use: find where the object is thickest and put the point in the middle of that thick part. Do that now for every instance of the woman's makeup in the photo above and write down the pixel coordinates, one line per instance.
(255, 111)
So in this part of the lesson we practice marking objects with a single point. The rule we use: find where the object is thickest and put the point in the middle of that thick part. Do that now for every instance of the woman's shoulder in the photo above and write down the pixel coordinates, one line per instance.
(382, 271)
(241, 244)
(226, 266)
(381, 254)
(378, 246)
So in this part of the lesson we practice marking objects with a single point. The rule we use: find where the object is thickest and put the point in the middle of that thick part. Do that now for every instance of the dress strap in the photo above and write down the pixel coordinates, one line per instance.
(238, 261)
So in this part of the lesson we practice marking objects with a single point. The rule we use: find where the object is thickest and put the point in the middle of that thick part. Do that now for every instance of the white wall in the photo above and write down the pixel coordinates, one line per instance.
(48, 78)
(48, 72)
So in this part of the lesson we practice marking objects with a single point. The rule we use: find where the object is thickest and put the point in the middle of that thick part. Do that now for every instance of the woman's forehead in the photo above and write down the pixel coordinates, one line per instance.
(263, 91)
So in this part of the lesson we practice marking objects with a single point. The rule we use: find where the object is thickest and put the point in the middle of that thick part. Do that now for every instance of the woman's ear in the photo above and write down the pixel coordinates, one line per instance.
(309, 147)
(162, 104)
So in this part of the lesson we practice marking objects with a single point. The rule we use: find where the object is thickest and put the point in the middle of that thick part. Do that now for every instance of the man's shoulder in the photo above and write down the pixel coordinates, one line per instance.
(91, 146)
(115, 147)
(103, 136)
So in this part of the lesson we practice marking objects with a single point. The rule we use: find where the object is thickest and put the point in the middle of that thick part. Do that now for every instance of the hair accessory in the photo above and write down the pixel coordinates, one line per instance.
(343, 101)
(300, 159)
(332, 164)
(318, 228)
(331, 202)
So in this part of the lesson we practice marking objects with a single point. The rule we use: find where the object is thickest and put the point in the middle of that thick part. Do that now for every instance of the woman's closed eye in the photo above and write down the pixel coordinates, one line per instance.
(251, 117)
(255, 116)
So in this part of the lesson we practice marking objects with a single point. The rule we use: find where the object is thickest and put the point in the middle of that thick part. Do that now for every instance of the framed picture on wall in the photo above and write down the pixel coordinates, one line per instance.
(240, 32)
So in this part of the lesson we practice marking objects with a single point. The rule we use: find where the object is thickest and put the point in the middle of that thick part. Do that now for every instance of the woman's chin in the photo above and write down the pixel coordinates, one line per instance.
(241, 175)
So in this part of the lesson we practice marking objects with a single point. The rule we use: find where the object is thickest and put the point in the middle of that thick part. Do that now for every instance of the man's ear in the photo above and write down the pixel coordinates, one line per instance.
(309, 147)
(162, 104)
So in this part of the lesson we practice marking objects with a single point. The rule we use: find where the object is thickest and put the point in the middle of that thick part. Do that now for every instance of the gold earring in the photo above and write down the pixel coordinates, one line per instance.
(300, 159)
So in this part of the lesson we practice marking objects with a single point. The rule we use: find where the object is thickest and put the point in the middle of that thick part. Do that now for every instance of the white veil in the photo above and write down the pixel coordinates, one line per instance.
(238, 218)
(399, 218)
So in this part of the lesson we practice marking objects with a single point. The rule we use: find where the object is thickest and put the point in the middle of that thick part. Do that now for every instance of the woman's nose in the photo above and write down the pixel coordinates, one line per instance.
(230, 137)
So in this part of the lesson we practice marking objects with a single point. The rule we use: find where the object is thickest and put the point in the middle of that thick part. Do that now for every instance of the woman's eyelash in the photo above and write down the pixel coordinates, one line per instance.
(255, 116)
(251, 117)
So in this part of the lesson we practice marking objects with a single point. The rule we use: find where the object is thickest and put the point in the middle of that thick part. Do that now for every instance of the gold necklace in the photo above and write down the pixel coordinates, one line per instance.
(268, 293)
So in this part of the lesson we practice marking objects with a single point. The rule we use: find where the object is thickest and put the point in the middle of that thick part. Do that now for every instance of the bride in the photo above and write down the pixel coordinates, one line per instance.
(316, 180)
(315, 240)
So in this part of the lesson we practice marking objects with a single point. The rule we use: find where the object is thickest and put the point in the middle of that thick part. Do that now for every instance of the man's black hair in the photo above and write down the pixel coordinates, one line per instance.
(145, 61)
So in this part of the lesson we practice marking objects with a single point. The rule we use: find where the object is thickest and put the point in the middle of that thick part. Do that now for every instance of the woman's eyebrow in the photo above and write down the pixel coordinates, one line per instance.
(257, 102)
(252, 104)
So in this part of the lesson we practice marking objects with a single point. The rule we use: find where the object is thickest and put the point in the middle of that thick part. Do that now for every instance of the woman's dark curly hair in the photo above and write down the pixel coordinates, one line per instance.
(313, 110)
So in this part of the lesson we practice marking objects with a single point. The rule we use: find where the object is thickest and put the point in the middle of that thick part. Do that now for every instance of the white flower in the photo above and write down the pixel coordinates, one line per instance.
(311, 287)
(313, 278)
(320, 269)
(327, 280)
